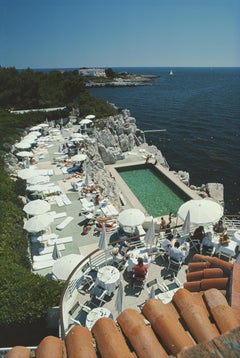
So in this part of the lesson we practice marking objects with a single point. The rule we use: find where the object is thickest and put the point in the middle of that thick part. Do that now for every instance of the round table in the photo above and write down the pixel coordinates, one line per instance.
(108, 277)
(95, 314)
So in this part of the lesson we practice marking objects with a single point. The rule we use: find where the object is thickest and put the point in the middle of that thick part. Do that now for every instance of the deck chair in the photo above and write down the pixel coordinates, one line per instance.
(194, 243)
(86, 284)
(152, 287)
(207, 250)
(139, 281)
(98, 293)
(174, 265)
(224, 256)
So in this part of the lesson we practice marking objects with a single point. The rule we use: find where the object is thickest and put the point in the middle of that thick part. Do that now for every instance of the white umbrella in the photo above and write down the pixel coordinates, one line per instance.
(38, 179)
(25, 154)
(23, 145)
(65, 265)
(130, 218)
(56, 252)
(79, 157)
(85, 121)
(150, 235)
(36, 133)
(202, 211)
(102, 243)
(38, 223)
(119, 298)
(36, 207)
(90, 116)
(26, 173)
(186, 224)
(35, 128)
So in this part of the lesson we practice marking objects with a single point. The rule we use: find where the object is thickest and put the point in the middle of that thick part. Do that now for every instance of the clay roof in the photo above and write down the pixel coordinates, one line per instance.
(194, 324)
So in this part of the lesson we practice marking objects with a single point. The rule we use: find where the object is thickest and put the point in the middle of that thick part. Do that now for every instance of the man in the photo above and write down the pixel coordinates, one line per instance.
(175, 253)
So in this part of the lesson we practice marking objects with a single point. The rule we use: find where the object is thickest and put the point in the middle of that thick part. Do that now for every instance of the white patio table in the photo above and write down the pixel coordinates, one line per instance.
(108, 277)
(95, 314)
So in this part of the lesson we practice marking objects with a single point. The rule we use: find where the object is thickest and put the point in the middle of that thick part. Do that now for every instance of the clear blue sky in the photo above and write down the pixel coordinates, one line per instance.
(112, 33)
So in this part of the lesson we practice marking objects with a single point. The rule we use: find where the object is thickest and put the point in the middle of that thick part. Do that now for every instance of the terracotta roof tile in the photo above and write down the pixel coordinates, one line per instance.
(176, 328)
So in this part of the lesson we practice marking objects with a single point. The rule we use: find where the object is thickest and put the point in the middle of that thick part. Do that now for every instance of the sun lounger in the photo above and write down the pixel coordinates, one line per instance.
(42, 265)
(64, 223)
(65, 199)
(60, 240)
(59, 201)
(60, 215)
(49, 249)
(87, 205)
(42, 258)
(44, 237)
(109, 210)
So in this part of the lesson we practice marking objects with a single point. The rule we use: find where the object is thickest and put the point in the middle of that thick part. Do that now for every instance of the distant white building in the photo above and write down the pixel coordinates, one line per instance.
(97, 72)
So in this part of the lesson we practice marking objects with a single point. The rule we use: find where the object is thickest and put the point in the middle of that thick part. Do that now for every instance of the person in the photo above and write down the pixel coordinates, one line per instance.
(176, 253)
(218, 227)
(207, 246)
(167, 243)
(163, 223)
(86, 228)
(147, 159)
(97, 199)
(199, 233)
(140, 269)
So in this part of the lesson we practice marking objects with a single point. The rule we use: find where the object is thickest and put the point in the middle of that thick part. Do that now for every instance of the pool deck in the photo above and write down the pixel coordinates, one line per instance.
(85, 244)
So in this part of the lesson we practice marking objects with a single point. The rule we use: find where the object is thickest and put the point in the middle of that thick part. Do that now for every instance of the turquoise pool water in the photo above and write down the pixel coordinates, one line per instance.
(156, 193)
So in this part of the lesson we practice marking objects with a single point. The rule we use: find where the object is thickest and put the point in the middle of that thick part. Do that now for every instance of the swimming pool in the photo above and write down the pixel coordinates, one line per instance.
(158, 194)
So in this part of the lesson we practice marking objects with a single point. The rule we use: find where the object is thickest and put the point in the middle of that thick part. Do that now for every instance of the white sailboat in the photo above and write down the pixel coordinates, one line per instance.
(171, 73)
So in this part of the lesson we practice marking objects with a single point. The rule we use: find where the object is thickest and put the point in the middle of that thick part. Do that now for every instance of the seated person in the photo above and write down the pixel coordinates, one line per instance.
(218, 227)
(176, 253)
(199, 233)
(140, 269)
(207, 245)
(167, 243)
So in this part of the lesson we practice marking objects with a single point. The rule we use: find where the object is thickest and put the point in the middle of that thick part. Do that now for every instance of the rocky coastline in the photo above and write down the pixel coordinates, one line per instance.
(127, 80)
(110, 140)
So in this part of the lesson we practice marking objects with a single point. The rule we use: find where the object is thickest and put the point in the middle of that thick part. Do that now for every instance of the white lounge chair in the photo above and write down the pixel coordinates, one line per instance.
(65, 199)
(42, 264)
(61, 240)
(64, 223)
(49, 249)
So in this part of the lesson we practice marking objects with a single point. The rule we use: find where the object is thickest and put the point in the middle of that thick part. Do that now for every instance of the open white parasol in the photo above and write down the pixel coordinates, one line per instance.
(38, 223)
(25, 154)
(201, 211)
(36, 207)
(38, 179)
(90, 116)
(63, 266)
(130, 218)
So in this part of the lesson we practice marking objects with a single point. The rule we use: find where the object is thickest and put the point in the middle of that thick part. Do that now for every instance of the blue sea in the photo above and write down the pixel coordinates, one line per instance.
(200, 110)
